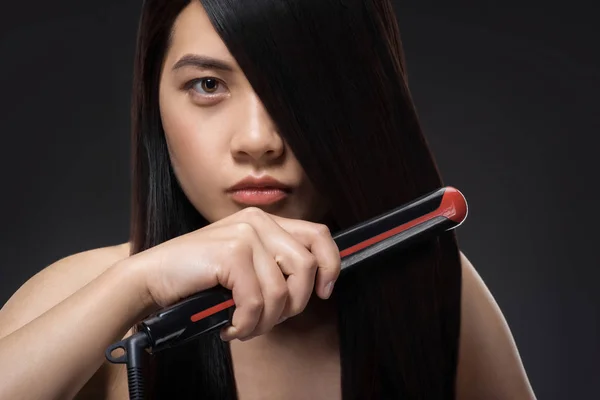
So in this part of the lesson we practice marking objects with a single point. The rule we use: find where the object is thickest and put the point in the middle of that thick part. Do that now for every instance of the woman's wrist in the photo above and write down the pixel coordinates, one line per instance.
(135, 274)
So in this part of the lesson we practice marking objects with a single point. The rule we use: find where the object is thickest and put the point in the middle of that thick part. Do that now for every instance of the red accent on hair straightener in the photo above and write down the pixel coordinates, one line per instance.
(213, 310)
(452, 206)
(425, 217)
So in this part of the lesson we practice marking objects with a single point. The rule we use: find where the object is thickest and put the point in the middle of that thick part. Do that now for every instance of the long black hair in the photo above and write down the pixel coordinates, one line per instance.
(331, 74)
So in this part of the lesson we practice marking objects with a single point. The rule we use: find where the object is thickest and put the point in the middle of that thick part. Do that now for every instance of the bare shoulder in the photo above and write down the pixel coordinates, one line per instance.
(489, 363)
(56, 282)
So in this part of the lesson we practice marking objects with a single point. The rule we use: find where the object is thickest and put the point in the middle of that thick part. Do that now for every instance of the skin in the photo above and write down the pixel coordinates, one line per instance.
(218, 134)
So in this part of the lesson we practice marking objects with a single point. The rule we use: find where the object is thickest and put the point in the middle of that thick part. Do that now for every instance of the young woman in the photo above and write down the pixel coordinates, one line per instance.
(258, 129)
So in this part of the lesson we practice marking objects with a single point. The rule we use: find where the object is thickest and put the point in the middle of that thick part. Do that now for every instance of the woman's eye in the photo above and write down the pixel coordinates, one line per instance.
(207, 86)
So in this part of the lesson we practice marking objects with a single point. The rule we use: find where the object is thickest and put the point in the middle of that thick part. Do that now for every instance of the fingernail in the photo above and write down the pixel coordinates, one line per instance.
(282, 319)
(228, 333)
(328, 289)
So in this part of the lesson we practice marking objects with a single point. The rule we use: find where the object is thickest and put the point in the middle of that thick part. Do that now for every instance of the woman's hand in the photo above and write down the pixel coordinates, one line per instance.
(270, 263)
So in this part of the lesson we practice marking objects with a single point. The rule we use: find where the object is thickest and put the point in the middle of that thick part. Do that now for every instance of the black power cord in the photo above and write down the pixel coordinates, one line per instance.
(134, 357)
(182, 322)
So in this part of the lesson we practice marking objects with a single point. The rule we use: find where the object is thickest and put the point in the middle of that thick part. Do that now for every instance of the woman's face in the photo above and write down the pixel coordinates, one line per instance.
(218, 132)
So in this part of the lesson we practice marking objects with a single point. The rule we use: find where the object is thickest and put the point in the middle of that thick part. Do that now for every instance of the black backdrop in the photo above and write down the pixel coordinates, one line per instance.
(508, 95)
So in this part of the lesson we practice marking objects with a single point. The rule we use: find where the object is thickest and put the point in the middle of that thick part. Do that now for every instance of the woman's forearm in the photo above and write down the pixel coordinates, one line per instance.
(54, 355)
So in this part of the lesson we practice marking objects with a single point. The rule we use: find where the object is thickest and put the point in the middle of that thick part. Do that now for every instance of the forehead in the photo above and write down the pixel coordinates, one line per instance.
(193, 32)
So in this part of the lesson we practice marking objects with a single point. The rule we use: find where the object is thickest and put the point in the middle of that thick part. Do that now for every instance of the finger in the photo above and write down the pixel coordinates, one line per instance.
(240, 277)
(274, 291)
(293, 258)
(318, 240)
(328, 258)
(300, 268)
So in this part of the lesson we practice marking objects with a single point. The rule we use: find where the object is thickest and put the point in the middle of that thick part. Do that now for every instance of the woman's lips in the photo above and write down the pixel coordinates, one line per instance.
(258, 191)
(259, 196)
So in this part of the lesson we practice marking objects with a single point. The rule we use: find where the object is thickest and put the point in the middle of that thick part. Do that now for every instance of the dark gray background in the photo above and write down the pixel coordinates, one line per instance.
(508, 95)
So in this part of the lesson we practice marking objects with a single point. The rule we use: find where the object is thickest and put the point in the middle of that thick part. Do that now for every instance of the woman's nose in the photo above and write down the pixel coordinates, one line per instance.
(256, 138)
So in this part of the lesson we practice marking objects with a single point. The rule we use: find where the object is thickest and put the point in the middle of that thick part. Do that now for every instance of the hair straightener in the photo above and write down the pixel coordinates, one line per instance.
(209, 310)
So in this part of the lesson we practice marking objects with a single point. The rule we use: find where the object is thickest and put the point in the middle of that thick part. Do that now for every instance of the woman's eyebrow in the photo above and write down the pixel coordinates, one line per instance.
(202, 62)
